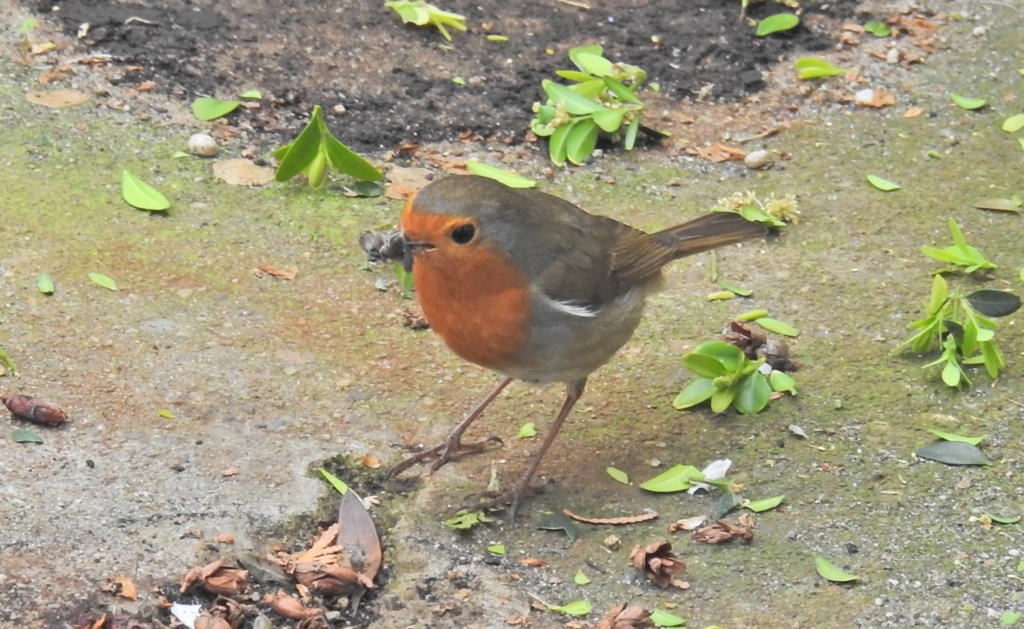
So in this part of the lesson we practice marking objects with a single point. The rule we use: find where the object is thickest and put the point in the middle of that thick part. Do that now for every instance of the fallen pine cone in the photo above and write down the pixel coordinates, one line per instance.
(25, 407)
(659, 564)
(622, 617)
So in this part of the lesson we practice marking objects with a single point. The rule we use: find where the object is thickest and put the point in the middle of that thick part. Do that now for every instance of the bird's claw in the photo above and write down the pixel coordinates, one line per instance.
(447, 450)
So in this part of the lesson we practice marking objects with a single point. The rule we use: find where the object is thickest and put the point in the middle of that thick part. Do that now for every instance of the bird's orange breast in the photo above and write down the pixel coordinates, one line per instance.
(472, 295)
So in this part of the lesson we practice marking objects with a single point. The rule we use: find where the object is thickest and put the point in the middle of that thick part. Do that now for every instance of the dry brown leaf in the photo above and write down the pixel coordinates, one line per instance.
(370, 461)
(216, 578)
(122, 586)
(687, 524)
(722, 531)
(626, 519)
(405, 182)
(533, 562)
(854, 28)
(206, 621)
(92, 624)
(226, 538)
(323, 546)
(242, 172)
(913, 112)
(879, 98)
(718, 152)
(287, 273)
(623, 617)
(658, 564)
(56, 99)
(289, 606)
(358, 537)
(231, 471)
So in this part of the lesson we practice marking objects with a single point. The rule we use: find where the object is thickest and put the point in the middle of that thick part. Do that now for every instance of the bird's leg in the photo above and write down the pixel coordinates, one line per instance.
(452, 445)
(510, 496)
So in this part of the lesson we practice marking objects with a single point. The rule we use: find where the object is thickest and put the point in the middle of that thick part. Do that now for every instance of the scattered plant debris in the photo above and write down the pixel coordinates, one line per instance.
(959, 254)
(139, 194)
(315, 150)
(953, 453)
(626, 617)
(423, 13)
(721, 531)
(206, 108)
(627, 519)
(773, 212)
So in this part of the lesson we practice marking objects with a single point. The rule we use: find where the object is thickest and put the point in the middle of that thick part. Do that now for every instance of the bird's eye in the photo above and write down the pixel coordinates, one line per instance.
(463, 233)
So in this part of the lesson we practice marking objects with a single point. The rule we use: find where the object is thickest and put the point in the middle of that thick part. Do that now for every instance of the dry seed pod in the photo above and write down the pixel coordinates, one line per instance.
(27, 408)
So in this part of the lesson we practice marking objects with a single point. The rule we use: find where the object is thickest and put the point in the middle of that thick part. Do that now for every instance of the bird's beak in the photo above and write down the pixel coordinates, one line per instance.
(412, 248)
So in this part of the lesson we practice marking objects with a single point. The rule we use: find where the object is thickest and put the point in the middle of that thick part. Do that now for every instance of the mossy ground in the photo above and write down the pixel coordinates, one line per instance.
(270, 377)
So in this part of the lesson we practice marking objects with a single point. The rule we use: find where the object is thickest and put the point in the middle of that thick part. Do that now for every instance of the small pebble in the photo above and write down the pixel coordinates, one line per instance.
(339, 109)
(756, 160)
(203, 145)
(893, 56)
(979, 31)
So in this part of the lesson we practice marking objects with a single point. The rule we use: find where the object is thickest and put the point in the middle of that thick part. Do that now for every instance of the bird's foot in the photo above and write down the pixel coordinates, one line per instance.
(448, 450)
(499, 499)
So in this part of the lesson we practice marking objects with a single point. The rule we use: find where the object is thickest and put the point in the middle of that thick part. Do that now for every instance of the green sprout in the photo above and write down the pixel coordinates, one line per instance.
(960, 327)
(603, 99)
(315, 150)
(423, 13)
(727, 378)
(959, 254)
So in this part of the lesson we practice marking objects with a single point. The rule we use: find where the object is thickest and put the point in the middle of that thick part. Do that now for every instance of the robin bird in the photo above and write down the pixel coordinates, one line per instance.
(534, 288)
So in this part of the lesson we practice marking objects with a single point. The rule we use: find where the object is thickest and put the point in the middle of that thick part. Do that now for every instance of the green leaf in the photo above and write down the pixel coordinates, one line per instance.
(166, 414)
(621, 91)
(575, 103)
(617, 475)
(206, 108)
(949, 436)
(764, 504)
(830, 571)
(721, 399)
(581, 579)
(814, 68)
(527, 430)
(45, 284)
(497, 38)
(1009, 618)
(575, 608)
(179, 155)
(951, 373)
(300, 153)
(7, 363)
(662, 618)
(676, 478)
(953, 453)
(1013, 204)
(752, 394)
(556, 145)
(496, 549)
(23, 435)
(581, 141)
(103, 280)
(776, 23)
(253, 94)
(348, 161)
(465, 519)
(510, 179)
(592, 49)
(696, 392)
(742, 292)
(728, 354)
(704, 366)
(966, 102)
(752, 315)
(609, 119)
(558, 521)
(878, 29)
(139, 194)
(726, 503)
(782, 381)
(631, 130)
(335, 482)
(593, 64)
(1014, 123)
(776, 326)
(316, 171)
(994, 303)
(1001, 520)
(883, 184)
